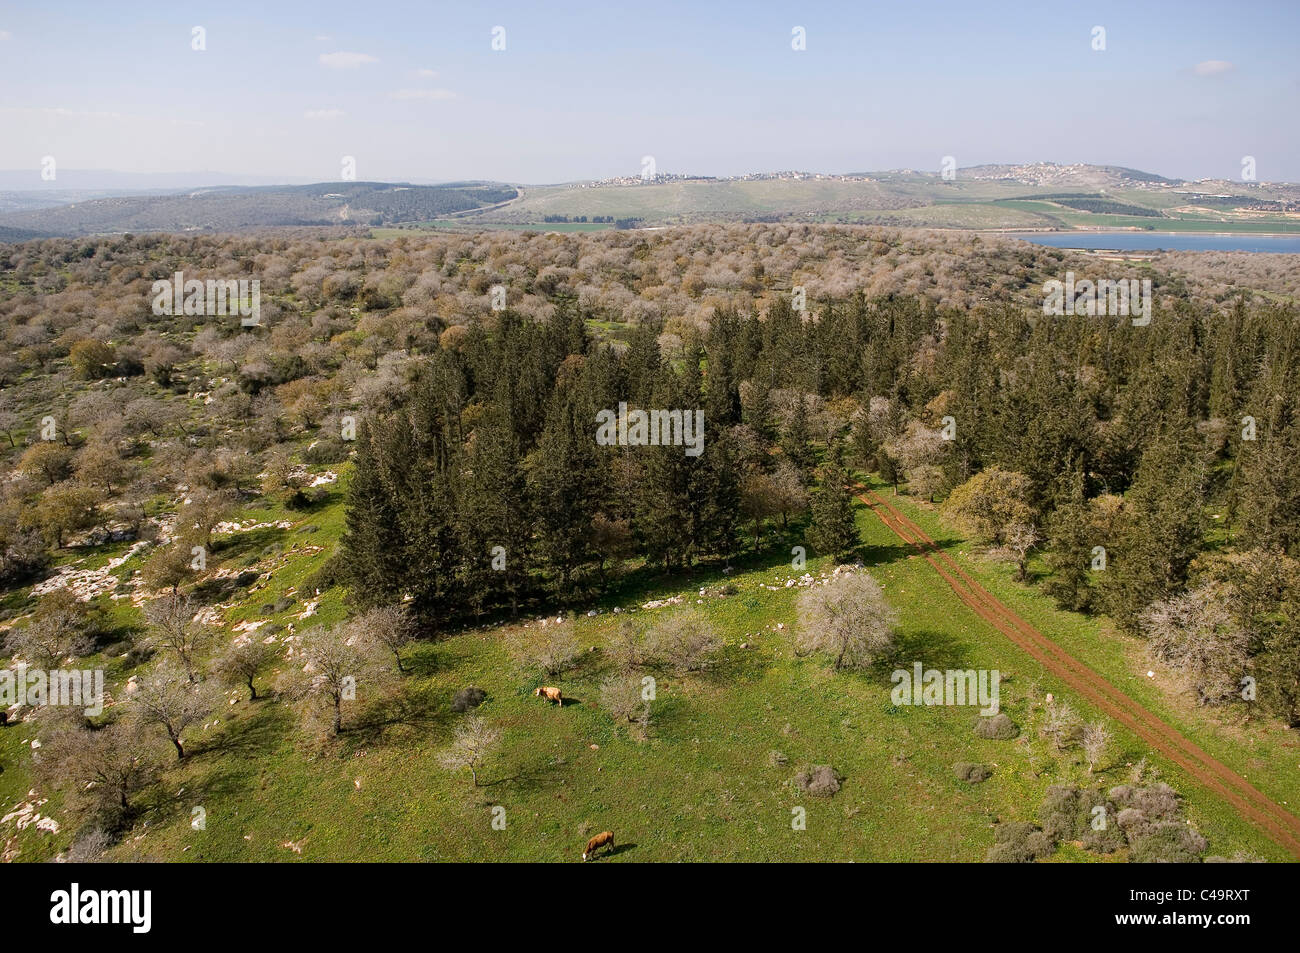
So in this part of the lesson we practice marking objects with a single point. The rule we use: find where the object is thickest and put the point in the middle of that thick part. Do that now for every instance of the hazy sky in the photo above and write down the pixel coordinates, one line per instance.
(584, 90)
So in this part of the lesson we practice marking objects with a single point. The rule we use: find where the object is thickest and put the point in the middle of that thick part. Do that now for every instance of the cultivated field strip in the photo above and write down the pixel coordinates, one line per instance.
(1282, 826)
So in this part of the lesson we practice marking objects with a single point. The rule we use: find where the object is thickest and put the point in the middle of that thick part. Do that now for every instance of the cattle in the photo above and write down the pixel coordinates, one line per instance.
(603, 839)
(551, 694)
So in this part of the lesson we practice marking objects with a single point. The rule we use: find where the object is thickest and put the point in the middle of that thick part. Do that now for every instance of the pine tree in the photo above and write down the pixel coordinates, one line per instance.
(834, 529)
(1160, 529)
(563, 483)
(794, 442)
(492, 510)
(372, 543)
(1070, 549)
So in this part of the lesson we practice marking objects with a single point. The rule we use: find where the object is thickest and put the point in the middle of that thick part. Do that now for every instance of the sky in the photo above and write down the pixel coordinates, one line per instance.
(415, 91)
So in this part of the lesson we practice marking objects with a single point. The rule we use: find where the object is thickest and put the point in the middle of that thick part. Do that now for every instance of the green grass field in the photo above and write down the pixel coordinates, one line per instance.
(701, 785)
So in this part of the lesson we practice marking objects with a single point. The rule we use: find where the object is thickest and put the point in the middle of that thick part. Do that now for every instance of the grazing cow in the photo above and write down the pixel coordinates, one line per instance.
(551, 694)
(603, 839)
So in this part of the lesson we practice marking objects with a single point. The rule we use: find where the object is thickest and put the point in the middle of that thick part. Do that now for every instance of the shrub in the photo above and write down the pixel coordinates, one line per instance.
(999, 727)
(1059, 812)
(1019, 842)
(1169, 842)
(1158, 801)
(820, 780)
(1067, 814)
(972, 773)
(1135, 824)
(467, 698)
(329, 575)
(684, 641)
(1238, 857)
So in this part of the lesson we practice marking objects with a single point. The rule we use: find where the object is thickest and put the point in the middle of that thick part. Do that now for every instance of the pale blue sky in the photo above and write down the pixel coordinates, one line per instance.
(585, 90)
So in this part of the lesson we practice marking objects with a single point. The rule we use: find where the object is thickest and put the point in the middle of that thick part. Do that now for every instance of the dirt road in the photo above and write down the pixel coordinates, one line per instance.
(1280, 825)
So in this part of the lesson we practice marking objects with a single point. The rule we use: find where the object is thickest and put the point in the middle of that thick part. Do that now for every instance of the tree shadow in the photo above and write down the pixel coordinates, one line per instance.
(252, 735)
(882, 555)
(405, 708)
(422, 660)
(932, 648)
(534, 777)
(252, 543)
(734, 663)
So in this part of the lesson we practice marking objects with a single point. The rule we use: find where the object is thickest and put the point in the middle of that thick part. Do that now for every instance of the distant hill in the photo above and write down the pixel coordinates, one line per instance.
(18, 234)
(234, 208)
(1079, 175)
(1037, 195)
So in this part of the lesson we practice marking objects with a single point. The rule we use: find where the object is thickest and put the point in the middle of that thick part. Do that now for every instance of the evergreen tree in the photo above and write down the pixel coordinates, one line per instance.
(1069, 556)
(1160, 529)
(372, 543)
(794, 441)
(563, 482)
(834, 529)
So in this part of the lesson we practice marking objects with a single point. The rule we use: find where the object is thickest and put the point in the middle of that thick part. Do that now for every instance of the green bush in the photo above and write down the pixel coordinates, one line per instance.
(972, 773)
(999, 728)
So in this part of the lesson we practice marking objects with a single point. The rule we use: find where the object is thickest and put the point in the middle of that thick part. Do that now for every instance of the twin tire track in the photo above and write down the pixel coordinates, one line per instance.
(1280, 825)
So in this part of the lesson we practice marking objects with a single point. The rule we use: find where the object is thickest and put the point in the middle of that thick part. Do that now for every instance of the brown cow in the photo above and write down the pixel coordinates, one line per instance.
(551, 694)
(603, 839)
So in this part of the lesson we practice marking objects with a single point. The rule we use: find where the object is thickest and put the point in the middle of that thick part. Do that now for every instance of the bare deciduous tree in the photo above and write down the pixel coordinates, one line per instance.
(390, 628)
(100, 770)
(1095, 740)
(847, 618)
(550, 650)
(335, 662)
(1195, 632)
(1060, 723)
(174, 627)
(1020, 539)
(166, 697)
(54, 633)
(473, 741)
(240, 663)
(684, 641)
(624, 698)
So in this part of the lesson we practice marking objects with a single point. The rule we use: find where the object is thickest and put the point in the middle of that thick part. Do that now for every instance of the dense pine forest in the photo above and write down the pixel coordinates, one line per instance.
(1083, 432)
